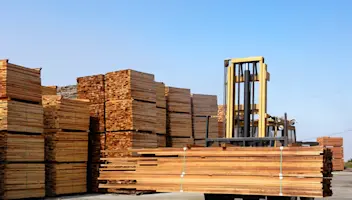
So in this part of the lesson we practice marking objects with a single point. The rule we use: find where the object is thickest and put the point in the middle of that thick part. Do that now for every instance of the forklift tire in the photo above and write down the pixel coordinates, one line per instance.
(218, 197)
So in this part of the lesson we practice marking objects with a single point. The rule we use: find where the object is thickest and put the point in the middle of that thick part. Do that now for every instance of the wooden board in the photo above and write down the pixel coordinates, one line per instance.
(204, 105)
(178, 99)
(200, 125)
(130, 84)
(21, 117)
(21, 83)
(91, 88)
(118, 143)
(65, 178)
(130, 115)
(97, 117)
(337, 152)
(21, 148)
(330, 141)
(161, 140)
(181, 142)
(160, 124)
(49, 90)
(68, 114)
(62, 146)
(338, 165)
(179, 124)
(20, 181)
(96, 146)
(305, 171)
(160, 95)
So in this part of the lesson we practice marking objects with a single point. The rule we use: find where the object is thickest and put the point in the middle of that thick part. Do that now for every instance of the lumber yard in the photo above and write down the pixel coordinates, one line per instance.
(125, 133)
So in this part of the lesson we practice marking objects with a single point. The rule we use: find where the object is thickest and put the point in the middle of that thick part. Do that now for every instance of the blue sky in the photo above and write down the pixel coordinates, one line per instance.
(306, 44)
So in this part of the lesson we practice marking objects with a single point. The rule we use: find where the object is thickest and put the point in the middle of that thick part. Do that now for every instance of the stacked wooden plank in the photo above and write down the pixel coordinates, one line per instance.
(179, 117)
(93, 89)
(130, 109)
(49, 90)
(335, 144)
(221, 121)
(160, 126)
(267, 171)
(66, 123)
(21, 125)
(203, 106)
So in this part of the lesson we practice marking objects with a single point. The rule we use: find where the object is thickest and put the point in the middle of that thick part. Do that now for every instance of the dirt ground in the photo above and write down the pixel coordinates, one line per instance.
(342, 188)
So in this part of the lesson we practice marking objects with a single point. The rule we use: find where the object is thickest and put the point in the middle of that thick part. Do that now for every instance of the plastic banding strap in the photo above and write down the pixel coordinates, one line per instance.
(280, 175)
(183, 173)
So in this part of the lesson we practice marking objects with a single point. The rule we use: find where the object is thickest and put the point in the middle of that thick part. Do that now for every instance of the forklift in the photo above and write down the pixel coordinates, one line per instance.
(247, 122)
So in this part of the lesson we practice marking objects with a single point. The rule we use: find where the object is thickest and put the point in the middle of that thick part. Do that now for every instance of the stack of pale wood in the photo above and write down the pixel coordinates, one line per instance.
(49, 90)
(203, 106)
(21, 143)
(93, 89)
(160, 125)
(130, 110)
(221, 121)
(335, 144)
(267, 171)
(66, 125)
(179, 117)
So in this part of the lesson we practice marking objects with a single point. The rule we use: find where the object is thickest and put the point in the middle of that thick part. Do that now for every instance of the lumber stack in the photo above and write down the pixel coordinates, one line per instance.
(179, 117)
(267, 171)
(21, 125)
(49, 90)
(68, 91)
(221, 121)
(335, 144)
(66, 123)
(93, 89)
(203, 106)
(160, 125)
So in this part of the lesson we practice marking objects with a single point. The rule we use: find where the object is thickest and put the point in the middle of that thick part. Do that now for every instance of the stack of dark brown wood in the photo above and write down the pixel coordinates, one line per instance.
(93, 89)
(179, 118)
(202, 107)
(160, 126)
(267, 171)
(335, 144)
(66, 125)
(21, 141)
(221, 121)
(49, 90)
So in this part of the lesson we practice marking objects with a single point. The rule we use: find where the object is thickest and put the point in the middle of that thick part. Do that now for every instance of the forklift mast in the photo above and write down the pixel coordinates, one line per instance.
(245, 100)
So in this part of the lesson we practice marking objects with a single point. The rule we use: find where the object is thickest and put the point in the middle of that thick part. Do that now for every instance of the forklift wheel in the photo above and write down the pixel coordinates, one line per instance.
(218, 197)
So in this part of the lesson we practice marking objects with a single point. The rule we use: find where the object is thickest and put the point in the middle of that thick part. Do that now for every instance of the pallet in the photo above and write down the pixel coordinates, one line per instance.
(65, 178)
(160, 95)
(62, 113)
(18, 82)
(49, 90)
(130, 84)
(178, 99)
(23, 180)
(15, 147)
(179, 124)
(305, 171)
(62, 146)
(21, 117)
(91, 88)
(123, 115)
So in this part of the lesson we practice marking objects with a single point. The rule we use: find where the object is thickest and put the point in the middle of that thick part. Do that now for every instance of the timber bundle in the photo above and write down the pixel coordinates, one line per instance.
(269, 171)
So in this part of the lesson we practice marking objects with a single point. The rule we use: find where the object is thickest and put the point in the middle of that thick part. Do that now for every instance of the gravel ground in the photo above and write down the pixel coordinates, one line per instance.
(342, 188)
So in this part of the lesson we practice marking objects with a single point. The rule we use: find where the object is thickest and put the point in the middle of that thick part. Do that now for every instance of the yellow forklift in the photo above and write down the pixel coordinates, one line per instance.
(247, 122)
